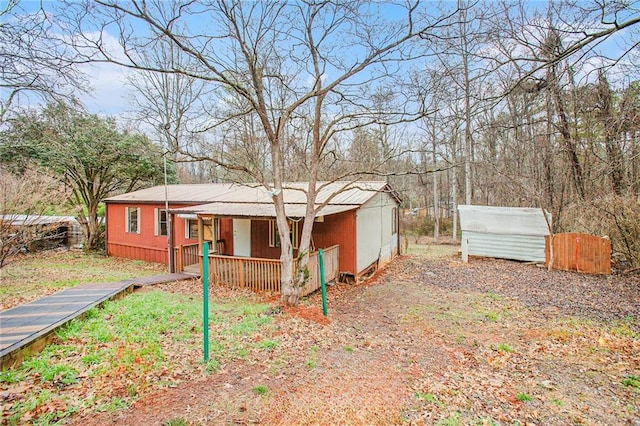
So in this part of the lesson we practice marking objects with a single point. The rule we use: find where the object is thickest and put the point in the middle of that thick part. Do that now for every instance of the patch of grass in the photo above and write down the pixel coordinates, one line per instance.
(348, 349)
(38, 398)
(113, 405)
(428, 397)
(491, 316)
(72, 329)
(557, 402)
(261, 390)
(91, 359)
(212, 365)
(632, 381)
(495, 297)
(50, 369)
(43, 272)
(130, 340)
(624, 329)
(311, 361)
(10, 376)
(268, 344)
(433, 251)
(503, 347)
(523, 397)
(178, 421)
(454, 419)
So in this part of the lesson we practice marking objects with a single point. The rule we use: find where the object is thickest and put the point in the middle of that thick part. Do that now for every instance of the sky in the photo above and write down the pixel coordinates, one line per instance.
(109, 94)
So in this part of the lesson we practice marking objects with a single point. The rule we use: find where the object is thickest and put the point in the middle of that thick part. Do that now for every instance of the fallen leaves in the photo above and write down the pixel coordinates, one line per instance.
(471, 339)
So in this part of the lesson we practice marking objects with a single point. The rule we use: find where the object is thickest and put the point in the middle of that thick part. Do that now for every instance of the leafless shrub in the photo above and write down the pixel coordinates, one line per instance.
(23, 197)
(617, 217)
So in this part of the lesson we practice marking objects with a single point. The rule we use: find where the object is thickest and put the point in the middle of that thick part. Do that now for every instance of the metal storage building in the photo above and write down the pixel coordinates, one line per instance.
(516, 233)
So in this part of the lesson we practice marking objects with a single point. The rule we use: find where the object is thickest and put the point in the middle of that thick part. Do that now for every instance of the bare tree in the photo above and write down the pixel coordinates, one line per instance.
(280, 59)
(168, 103)
(23, 198)
(33, 60)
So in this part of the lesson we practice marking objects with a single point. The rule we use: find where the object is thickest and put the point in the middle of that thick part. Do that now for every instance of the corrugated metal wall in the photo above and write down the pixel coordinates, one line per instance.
(375, 237)
(503, 232)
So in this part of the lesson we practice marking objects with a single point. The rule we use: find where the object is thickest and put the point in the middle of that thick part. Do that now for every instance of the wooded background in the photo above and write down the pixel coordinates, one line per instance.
(493, 103)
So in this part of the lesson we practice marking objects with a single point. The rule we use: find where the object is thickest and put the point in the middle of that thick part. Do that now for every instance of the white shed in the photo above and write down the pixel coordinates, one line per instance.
(377, 231)
(504, 232)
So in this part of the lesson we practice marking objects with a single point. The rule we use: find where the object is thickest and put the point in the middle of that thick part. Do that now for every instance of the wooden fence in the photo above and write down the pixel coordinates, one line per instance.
(580, 252)
(263, 275)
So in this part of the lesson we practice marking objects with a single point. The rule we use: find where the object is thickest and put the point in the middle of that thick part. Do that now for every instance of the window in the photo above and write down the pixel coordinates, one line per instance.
(211, 233)
(161, 222)
(191, 229)
(132, 220)
(394, 220)
(274, 236)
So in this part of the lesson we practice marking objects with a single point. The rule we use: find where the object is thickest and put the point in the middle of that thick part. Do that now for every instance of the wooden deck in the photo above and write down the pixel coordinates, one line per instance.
(27, 328)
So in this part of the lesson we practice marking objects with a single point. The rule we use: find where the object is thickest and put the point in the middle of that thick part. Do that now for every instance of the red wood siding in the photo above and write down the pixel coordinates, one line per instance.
(260, 241)
(339, 229)
(146, 245)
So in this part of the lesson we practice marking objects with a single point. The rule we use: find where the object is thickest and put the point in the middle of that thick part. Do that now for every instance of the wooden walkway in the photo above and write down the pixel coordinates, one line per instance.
(27, 328)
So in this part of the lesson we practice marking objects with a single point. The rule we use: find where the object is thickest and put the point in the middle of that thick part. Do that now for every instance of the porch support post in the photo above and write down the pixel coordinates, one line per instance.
(200, 241)
(172, 261)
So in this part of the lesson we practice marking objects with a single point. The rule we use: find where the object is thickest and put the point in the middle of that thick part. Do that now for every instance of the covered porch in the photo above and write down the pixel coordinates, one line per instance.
(234, 263)
(257, 274)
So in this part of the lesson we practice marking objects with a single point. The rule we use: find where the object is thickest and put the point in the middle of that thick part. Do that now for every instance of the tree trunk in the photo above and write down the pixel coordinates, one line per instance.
(609, 124)
(454, 190)
(569, 142)
(548, 155)
(468, 191)
(436, 207)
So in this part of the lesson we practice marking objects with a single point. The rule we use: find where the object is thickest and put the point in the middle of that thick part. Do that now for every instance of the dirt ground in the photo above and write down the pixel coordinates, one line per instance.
(432, 341)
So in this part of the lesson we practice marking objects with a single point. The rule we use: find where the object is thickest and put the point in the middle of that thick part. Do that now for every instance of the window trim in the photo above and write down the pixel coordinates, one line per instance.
(127, 220)
(158, 222)
(187, 228)
(294, 233)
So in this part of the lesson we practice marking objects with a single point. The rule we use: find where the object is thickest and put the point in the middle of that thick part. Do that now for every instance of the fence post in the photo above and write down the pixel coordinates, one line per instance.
(205, 297)
(322, 284)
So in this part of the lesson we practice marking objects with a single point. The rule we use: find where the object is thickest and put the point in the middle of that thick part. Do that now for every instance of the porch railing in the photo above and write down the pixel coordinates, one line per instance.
(263, 275)
(186, 255)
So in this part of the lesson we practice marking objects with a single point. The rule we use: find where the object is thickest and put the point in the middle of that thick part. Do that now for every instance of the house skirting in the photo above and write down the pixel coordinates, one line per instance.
(148, 254)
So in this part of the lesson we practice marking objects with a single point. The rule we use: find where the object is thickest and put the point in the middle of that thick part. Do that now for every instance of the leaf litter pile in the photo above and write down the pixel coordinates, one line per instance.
(427, 341)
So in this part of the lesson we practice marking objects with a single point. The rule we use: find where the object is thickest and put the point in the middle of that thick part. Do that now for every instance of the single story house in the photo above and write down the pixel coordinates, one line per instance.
(239, 220)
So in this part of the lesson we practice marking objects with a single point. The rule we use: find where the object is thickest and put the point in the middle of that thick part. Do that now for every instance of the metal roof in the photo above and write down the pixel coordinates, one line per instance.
(336, 193)
(28, 220)
(503, 220)
(258, 209)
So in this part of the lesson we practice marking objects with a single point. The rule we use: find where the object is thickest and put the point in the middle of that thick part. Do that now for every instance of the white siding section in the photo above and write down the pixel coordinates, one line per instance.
(375, 240)
(503, 232)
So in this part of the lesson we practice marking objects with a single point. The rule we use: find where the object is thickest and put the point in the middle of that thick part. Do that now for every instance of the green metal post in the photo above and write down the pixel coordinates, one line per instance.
(205, 296)
(322, 284)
